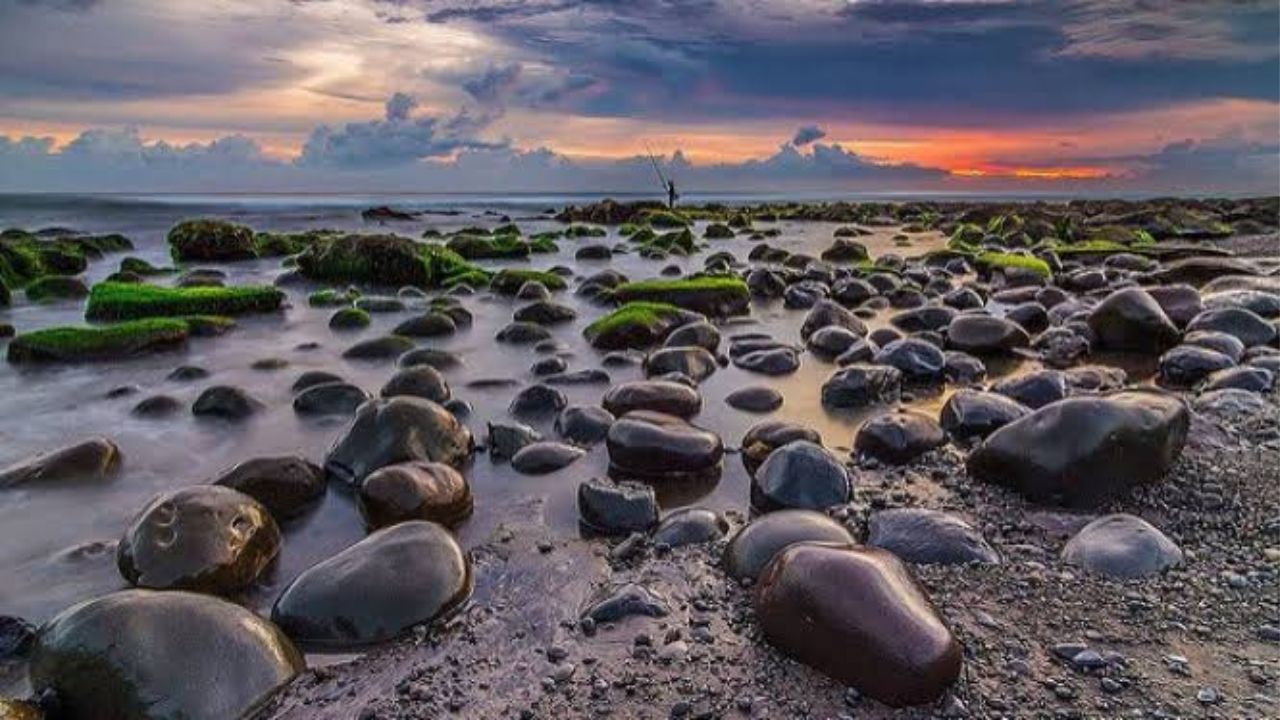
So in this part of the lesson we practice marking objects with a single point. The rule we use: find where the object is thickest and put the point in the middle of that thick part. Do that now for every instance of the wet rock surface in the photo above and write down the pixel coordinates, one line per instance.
(148, 654)
(414, 491)
(858, 615)
(286, 486)
(928, 537)
(1122, 547)
(399, 429)
(410, 573)
(206, 538)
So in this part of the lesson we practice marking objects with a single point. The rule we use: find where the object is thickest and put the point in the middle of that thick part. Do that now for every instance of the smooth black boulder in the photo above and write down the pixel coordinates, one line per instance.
(1131, 320)
(664, 396)
(974, 413)
(651, 445)
(408, 574)
(544, 457)
(1187, 365)
(928, 537)
(226, 402)
(763, 438)
(414, 491)
(918, 361)
(205, 538)
(690, 526)
(148, 655)
(91, 460)
(1034, 389)
(752, 547)
(985, 335)
(756, 399)
(333, 398)
(693, 361)
(827, 313)
(1122, 547)
(584, 425)
(859, 616)
(898, 437)
(1083, 451)
(1245, 325)
(801, 475)
(286, 485)
(421, 381)
(537, 401)
(399, 429)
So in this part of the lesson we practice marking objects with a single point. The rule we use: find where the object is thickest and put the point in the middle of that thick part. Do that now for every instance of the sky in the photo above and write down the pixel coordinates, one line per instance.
(1063, 97)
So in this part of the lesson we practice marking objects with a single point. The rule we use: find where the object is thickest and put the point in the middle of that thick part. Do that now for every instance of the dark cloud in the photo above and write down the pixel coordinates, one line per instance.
(807, 134)
(397, 139)
(494, 84)
(968, 62)
(63, 5)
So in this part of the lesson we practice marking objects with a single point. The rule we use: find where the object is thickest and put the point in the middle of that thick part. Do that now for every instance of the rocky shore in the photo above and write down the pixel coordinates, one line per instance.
(953, 460)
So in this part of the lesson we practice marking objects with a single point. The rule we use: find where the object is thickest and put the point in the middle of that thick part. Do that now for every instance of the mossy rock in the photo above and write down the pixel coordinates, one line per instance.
(637, 325)
(714, 296)
(128, 301)
(509, 281)
(385, 260)
(680, 242)
(211, 241)
(718, 231)
(332, 298)
(268, 244)
(507, 229)
(108, 342)
(501, 247)
(209, 325)
(138, 266)
(349, 318)
(20, 260)
(542, 245)
(626, 230)
(6, 296)
(51, 288)
(999, 261)
(63, 260)
(664, 219)
(584, 231)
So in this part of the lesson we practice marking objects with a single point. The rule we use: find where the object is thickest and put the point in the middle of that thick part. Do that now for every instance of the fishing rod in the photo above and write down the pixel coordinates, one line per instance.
(661, 178)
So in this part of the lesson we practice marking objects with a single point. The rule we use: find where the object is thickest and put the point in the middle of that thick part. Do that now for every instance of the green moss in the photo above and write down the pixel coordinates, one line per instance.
(474, 278)
(384, 260)
(509, 281)
(62, 260)
(267, 244)
(508, 229)
(993, 260)
(966, 237)
(628, 229)
(332, 298)
(680, 242)
(542, 244)
(584, 231)
(138, 266)
(211, 240)
(635, 324)
(472, 247)
(208, 325)
(349, 319)
(126, 301)
(110, 342)
(664, 219)
(56, 287)
(710, 294)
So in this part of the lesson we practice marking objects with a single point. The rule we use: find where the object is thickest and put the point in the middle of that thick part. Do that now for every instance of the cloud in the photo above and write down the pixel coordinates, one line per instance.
(496, 82)
(807, 134)
(397, 139)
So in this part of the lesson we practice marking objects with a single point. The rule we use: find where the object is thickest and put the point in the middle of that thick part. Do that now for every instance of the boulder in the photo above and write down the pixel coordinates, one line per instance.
(1245, 325)
(1187, 365)
(225, 402)
(690, 526)
(898, 437)
(421, 381)
(205, 538)
(1083, 451)
(858, 616)
(1122, 547)
(584, 425)
(693, 361)
(1131, 320)
(285, 485)
(333, 398)
(928, 537)
(985, 335)
(916, 359)
(92, 460)
(1034, 389)
(801, 475)
(617, 508)
(544, 457)
(763, 438)
(536, 401)
(827, 313)
(755, 399)
(973, 413)
(408, 574)
(146, 655)
(506, 439)
(650, 445)
(752, 547)
(860, 384)
(671, 398)
(399, 429)
(415, 490)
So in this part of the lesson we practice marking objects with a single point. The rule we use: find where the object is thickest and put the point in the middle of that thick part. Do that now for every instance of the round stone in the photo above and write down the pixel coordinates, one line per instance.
(414, 491)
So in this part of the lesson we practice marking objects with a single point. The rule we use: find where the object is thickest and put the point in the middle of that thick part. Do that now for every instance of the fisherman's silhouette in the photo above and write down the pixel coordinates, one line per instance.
(672, 195)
